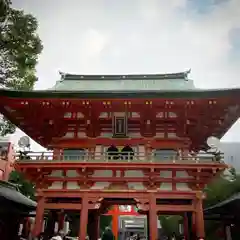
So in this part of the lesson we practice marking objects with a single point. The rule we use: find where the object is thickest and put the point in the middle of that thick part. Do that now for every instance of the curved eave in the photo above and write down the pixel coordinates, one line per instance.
(196, 93)
(11, 194)
(225, 97)
(224, 205)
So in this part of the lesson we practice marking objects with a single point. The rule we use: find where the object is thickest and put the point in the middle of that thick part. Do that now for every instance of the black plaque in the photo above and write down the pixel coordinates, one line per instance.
(120, 126)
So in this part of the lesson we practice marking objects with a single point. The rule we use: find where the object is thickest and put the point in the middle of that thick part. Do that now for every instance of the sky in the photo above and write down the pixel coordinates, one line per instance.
(139, 36)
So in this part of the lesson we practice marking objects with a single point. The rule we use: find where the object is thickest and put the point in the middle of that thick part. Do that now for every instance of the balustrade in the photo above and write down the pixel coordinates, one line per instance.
(139, 157)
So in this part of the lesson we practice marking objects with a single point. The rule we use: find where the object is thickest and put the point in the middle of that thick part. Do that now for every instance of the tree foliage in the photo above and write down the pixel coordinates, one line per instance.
(25, 187)
(221, 189)
(20, 47)
(170, 225)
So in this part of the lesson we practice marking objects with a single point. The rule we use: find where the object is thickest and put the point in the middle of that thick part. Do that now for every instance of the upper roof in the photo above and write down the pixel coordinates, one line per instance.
(131, 82)
(173, 85)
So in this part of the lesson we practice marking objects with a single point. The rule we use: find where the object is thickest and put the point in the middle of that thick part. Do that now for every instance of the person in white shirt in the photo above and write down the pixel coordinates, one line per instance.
(59, 236)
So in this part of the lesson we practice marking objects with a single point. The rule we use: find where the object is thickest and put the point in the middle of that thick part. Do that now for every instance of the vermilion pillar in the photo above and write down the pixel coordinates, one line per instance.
(83, 218)
(153, 230)
(39, 217)
(185, 226)
(200, 231)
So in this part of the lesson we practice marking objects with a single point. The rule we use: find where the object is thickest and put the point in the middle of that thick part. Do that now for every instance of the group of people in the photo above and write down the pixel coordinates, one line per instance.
(60, 235)
(126, 153)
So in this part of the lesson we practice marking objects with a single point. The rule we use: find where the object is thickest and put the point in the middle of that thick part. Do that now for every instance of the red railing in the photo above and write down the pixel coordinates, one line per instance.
(118, 157)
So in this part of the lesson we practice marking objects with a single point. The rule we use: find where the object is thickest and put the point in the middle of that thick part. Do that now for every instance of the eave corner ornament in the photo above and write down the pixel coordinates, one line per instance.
(62, 74)
(186, 73)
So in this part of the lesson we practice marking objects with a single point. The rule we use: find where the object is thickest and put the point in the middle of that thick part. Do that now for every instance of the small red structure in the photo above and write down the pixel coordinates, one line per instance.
(7, 158)
(160, 120)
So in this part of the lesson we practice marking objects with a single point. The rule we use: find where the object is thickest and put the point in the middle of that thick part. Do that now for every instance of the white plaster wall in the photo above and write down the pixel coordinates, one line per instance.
(72, 173)
(141, 153)
(166, 186)
(135, 115)
(103, 115)
(69, 135)
(182, 174)
(136, 186)
(56, 173)
(98, 152)
(133, 173)
(56, 185)
(119, 114)
(159, 135)
(166, 174)
(102, 173)
(106, 134)
(182, 187)
(134, 135)
(81, 135)
(72, 185)
(100, 185)
(118, 173)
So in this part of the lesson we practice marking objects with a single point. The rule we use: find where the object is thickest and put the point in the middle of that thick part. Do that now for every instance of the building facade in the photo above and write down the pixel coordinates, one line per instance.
(7, 158)
(122, 140)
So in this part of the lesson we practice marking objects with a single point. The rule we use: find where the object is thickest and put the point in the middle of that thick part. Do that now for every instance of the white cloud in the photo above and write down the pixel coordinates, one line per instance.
(93, 43)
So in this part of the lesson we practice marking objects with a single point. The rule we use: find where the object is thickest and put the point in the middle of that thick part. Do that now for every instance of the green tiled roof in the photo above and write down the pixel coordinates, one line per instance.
(175, 85)
(9, 192)
(173, 81)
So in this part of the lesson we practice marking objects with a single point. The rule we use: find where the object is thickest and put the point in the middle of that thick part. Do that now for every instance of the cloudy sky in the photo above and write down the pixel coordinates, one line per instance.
(140, 36)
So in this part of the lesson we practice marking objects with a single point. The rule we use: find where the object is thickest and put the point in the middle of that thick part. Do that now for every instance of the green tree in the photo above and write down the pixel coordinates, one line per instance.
(221, 189)
(20, 47)
(170, 224)
(25, 187)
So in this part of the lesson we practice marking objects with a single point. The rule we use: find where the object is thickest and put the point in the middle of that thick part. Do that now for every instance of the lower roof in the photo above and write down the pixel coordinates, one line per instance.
(9, 192)
(228, 206)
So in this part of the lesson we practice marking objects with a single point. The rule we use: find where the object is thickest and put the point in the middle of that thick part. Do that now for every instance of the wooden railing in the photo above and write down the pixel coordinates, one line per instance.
(117, 157)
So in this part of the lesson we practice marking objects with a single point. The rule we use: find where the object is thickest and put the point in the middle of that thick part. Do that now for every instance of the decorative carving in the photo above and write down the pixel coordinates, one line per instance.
(199, 195)
(95, 202)
(142, 204)
(87, 184)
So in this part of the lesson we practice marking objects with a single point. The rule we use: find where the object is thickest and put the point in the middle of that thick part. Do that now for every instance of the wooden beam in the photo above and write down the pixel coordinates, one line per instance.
(66, 206)
(127, 179)
(175, 208)
(155, 143)
(130, 194)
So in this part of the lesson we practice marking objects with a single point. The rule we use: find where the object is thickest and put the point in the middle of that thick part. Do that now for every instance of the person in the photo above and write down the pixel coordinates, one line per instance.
(112, 153)
(127, 153)
(59, 236)
(107, 234)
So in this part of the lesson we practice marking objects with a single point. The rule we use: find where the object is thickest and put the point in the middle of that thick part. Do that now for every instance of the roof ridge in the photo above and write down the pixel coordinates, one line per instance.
(177, 75)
